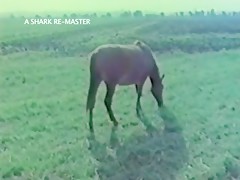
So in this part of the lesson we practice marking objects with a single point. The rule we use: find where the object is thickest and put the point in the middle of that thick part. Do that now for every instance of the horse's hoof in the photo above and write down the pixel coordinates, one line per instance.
(138, 115)
(91, 130)
(115, 123)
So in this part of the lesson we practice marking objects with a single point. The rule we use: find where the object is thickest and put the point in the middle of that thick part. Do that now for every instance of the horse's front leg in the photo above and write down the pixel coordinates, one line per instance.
(139, 95)
(108, 102)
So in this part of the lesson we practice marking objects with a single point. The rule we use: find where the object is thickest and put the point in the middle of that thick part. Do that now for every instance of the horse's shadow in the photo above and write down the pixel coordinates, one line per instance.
(156, 156)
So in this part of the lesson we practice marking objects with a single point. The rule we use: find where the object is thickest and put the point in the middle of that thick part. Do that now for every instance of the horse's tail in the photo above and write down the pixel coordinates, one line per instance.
(93, 84)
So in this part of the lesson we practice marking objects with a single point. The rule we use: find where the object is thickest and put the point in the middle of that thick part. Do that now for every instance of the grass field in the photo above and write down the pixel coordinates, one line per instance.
(44, 126)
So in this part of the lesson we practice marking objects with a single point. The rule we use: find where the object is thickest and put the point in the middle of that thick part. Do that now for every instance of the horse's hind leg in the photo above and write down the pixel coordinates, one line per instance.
(139, 95)
(108, 102)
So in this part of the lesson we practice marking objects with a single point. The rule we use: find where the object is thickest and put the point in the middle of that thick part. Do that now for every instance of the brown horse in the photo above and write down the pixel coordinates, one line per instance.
(123, 65)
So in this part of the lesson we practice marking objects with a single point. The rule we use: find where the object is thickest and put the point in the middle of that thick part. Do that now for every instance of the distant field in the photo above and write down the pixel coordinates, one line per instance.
(164, 34)
(44, 76)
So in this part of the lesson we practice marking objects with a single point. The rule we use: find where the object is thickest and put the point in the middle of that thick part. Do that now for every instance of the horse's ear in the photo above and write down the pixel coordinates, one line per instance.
(163, 76)
(137, 42)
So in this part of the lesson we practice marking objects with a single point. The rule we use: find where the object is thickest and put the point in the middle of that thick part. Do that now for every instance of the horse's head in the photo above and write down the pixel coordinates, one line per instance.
(157, 90)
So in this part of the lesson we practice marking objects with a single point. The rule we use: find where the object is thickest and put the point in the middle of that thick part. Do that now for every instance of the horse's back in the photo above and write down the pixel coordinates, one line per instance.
(122, 64)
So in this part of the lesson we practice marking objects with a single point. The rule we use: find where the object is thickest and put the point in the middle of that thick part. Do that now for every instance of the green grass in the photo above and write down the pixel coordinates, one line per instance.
(44, 126)
(44, 132)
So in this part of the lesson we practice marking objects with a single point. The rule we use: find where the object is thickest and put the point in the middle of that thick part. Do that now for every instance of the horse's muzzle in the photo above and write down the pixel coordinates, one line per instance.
(160, 104)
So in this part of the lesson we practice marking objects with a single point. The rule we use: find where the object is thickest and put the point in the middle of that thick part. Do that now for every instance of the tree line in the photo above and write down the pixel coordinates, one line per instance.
(139, 13)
